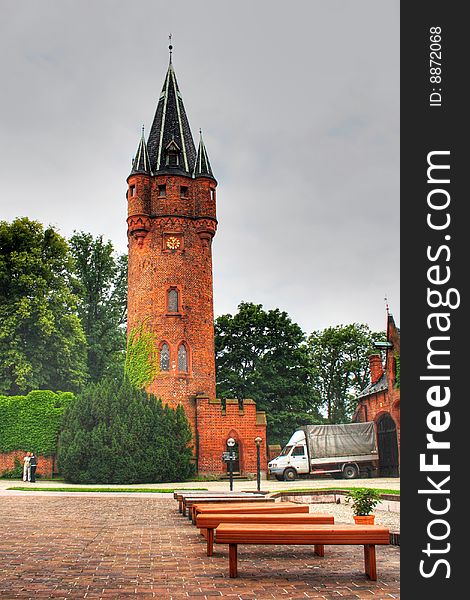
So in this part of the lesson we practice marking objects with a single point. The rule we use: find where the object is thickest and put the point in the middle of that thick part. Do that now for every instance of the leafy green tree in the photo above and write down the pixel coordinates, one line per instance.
(42, 344)
(339, 358)
(263, 355)
(102, 307)
(116, 433)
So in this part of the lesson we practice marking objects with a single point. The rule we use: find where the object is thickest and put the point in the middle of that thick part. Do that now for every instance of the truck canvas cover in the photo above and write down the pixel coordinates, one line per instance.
(351, 439)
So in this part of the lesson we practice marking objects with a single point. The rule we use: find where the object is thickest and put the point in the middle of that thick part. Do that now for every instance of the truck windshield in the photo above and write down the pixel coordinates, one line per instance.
(286, 451)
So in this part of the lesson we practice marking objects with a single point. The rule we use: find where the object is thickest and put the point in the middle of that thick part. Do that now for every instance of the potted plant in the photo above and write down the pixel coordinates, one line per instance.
(363, 501)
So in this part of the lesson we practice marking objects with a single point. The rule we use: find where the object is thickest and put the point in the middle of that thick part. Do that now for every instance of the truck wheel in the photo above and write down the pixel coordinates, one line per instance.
(349, 472)
(290, 475)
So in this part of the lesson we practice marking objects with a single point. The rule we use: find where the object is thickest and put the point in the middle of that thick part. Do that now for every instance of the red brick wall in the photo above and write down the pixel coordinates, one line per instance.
(45, 466)
(273, 451)
(372, 407)
(216, 425)
(153, 269)
(376, 368)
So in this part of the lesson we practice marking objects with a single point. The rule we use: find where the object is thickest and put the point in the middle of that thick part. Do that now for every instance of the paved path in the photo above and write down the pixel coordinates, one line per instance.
(134, 547)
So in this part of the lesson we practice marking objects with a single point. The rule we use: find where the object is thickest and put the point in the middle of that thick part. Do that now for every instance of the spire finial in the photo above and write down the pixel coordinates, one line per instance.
(170, 47)
(386, 305)
(143, 130)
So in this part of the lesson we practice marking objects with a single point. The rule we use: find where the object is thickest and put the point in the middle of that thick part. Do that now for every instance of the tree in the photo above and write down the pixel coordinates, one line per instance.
(42, 344)
(102, 307)
(339, 357)
(263, 355)
(116, 433)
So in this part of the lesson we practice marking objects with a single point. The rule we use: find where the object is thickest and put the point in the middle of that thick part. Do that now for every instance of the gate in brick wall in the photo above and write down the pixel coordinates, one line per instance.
(388, 446)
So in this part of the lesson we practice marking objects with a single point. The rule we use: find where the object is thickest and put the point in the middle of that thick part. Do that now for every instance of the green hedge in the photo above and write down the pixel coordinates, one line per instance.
(32, 422)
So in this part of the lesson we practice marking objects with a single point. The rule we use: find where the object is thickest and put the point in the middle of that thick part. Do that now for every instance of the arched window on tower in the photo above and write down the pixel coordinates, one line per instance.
(182, 359)
(165, 357)
(173, 300)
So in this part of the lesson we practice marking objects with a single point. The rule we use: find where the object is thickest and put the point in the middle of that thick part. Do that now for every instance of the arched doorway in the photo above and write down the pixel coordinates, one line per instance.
(236, 462)
(388, 446)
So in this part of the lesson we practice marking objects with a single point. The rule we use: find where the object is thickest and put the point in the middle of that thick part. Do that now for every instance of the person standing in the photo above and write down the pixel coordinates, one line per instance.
(33, 464)
(27, 467)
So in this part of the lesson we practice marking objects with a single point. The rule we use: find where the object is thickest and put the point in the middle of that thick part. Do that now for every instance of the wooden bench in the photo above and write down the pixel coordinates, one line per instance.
(210, 521)
(189, 502)
(317, 535)
(180, 496)
(245, 507)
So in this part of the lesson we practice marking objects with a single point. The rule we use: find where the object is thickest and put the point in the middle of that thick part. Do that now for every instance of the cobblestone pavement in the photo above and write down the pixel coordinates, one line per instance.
(88, 547)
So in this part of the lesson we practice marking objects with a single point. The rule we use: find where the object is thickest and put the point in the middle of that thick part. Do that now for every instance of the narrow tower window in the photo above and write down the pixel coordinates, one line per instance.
(162, 190)
(212, 194)
(182, 359)
(183, 191)
(172, 158)
(165, 357)
(132, 188)
(173, 300)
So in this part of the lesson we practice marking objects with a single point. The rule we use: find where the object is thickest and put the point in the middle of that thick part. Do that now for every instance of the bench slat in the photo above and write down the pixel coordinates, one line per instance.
(244, 533)
(250, 506)
(205, 520)
(193, 506)
(188, 501)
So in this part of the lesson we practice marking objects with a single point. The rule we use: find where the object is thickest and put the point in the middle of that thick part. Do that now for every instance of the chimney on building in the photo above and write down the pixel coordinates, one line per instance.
(376, 368)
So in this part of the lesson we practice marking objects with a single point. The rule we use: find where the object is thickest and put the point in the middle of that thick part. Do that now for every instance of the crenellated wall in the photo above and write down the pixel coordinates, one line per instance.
(216, 424)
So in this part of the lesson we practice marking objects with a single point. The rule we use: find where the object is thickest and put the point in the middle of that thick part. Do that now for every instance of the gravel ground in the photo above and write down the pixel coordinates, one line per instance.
(343, 514)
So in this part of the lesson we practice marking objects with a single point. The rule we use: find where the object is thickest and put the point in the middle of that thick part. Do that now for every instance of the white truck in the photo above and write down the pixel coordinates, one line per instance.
(346, 450)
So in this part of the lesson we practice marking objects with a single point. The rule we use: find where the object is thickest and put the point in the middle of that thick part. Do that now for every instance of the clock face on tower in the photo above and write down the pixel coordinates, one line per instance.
(172, 242)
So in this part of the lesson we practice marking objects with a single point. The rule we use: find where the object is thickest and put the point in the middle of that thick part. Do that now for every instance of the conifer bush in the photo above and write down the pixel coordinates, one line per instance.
(116, 433)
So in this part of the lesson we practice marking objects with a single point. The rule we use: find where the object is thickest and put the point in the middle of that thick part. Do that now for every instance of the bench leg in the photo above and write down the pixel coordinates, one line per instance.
(232, 556)
(180, 506)
(319, 549)
(183, 511)
(370, 562)
(210, 541)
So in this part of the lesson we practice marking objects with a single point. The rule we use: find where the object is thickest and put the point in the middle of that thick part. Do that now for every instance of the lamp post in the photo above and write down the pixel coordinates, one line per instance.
(258, 441)
(231, 443)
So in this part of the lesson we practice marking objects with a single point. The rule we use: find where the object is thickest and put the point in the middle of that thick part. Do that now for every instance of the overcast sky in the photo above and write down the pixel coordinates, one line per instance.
(299, 106)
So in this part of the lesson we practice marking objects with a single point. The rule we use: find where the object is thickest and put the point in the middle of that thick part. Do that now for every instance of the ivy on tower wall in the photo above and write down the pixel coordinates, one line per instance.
(142, 361)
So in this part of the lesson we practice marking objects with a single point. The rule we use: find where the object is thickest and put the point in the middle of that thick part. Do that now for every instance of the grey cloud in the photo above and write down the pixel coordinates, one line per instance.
(299, 104)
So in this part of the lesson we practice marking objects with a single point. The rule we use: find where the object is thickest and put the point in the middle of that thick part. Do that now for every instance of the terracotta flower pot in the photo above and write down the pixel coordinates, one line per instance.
(364, 519)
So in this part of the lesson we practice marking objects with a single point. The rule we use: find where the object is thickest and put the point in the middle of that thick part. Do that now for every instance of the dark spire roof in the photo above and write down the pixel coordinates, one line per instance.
(171, 124)
(141, 162)
(202, 167)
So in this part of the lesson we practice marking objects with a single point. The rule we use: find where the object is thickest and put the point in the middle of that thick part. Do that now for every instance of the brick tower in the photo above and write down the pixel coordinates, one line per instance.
(171, 222)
